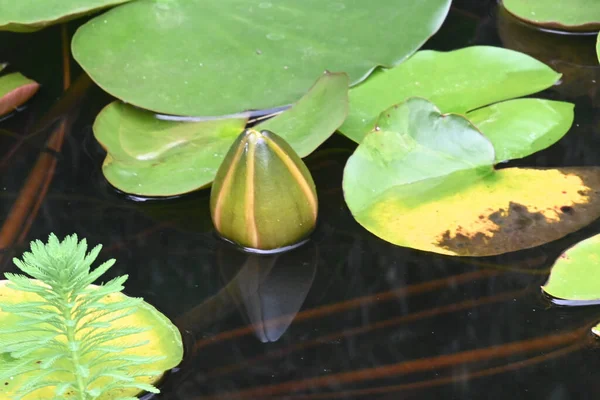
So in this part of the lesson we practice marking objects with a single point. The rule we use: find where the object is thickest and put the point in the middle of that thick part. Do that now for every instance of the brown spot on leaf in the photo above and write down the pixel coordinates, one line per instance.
(522, 227)
(567, 209)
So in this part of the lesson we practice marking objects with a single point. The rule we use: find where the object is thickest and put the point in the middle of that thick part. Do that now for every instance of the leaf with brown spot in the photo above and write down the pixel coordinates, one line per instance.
(15, 90)
(426, 180)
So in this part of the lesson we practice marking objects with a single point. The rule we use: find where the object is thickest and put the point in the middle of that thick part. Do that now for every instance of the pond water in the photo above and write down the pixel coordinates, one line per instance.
(346, 316)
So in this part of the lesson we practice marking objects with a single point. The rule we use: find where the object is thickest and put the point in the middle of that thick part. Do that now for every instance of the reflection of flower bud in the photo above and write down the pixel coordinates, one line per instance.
(263, 196)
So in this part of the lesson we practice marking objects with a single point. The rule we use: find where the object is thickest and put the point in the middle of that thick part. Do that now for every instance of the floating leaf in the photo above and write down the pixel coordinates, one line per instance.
(31, 15)
(575, 275)
(518, 128)
(15, 90)
(233, 55)
(426, 181)
(164, 340)
(458, 81)
(155, 157)
(569, 15)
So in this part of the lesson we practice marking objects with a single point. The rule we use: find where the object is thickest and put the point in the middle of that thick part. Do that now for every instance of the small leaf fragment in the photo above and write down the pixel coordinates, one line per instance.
(568, 15)
(598, 47)
(15, 90)
(575, 274)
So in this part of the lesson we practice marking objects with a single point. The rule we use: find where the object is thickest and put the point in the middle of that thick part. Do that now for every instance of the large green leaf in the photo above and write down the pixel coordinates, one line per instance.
(576, 273)
(218, 57)
(518, 128)
(570, 15)
(164, 340)
(155, 157)
(30, 15)
(15, 90)
(426, 180)
(456, 81)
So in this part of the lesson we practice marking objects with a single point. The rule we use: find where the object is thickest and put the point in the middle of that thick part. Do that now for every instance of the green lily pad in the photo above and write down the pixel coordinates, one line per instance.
(576, 273)
(569, 15)
(15, 90)
(233, 55)
(426, 180)
(152, 157)
(164, 340)
(518, 128)
(31, 15)
(458, 81)
(149, 156)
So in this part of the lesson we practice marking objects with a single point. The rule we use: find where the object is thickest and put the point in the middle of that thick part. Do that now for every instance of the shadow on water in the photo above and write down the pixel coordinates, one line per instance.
(346, 316)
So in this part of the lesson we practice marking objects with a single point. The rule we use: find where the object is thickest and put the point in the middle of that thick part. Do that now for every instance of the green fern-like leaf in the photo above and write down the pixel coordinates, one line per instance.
(68, 332)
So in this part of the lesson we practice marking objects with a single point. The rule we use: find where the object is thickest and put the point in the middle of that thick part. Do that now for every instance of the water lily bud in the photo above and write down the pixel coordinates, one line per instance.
(263, 196)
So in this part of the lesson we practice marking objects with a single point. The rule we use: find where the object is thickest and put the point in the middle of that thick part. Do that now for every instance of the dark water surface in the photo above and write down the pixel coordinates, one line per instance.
(372, 320)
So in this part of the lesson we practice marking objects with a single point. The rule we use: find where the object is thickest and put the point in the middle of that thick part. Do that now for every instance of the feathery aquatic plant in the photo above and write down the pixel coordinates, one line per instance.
(68, 335)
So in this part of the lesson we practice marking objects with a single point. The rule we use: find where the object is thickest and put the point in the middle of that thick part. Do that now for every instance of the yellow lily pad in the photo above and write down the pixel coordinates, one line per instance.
(163, 340)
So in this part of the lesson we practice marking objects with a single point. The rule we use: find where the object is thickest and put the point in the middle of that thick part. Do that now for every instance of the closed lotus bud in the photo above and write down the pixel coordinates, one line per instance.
(263, 196)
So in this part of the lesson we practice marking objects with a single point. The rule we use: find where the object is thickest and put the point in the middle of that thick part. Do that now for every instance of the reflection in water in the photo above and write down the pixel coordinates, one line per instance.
(269, 289)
